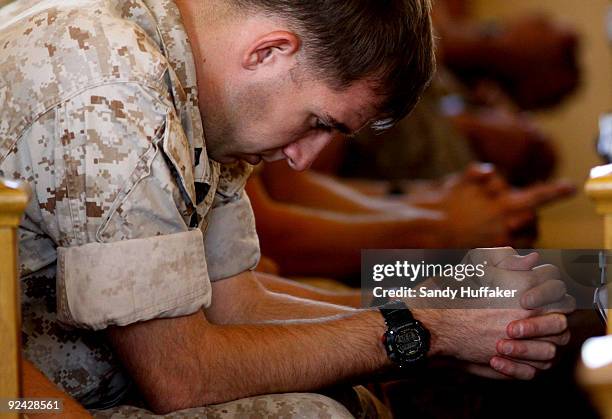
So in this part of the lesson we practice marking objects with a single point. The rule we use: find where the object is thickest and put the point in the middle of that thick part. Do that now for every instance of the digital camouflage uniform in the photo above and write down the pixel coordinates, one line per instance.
(130, 220)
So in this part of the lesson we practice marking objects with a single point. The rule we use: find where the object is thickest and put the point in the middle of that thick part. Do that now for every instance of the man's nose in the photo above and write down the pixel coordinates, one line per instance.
(302, 153)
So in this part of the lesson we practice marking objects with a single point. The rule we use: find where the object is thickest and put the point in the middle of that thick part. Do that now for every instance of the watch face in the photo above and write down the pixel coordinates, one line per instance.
(408, 341)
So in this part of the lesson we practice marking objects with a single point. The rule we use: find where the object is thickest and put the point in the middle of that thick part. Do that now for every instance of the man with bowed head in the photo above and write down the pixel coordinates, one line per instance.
(135, 123)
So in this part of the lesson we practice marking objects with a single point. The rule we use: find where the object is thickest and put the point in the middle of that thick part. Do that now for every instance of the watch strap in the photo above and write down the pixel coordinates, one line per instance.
(396, 313)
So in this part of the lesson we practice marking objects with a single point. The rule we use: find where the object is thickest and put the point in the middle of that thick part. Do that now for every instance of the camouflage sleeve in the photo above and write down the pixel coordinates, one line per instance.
(231, 241)
(121, 183)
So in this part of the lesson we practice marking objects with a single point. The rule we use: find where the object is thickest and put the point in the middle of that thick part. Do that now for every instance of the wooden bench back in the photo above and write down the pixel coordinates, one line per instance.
(599, 189)
(598, 381)
(13, 200)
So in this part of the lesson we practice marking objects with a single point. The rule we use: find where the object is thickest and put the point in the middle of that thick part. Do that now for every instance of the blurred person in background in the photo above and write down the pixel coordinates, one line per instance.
(531, 57)
(450, 128)
(473, 111)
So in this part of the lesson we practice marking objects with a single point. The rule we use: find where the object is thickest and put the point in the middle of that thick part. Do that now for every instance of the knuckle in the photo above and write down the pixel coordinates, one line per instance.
(508, 368)
(549, 277)
(559, 287)
(548, 271)
(513, 329)
(527, 373)
(551, 351)
(520, 348)
(565, 338)
(531, 328)
(555, 273)
(531, 278)
(545, 366)
(528, 300)
(571, 303)
(562, 322)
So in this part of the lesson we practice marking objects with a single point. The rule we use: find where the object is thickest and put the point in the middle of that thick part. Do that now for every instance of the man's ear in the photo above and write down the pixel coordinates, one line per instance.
(270, 47)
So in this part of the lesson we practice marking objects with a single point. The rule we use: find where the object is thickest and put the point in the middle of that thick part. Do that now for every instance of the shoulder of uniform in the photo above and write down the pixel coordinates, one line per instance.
(54, 52)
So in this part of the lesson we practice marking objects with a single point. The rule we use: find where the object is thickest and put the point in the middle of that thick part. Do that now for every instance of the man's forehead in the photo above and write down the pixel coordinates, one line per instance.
(351, 107)
(359, 110)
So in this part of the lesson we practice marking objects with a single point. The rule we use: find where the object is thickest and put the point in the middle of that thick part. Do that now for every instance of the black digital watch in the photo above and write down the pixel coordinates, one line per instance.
(406, 339)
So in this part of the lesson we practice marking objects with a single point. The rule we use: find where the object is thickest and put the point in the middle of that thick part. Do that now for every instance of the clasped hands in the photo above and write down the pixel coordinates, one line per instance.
(514, 340)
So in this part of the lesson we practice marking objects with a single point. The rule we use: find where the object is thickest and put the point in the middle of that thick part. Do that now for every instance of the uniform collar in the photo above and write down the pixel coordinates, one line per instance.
(177, 49)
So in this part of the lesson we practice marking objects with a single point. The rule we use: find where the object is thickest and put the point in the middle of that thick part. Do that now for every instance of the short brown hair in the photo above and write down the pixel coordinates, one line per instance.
(387, 41)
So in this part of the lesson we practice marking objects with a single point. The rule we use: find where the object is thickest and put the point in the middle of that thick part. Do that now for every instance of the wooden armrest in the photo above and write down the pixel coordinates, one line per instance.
(13, 200)
(36, 385)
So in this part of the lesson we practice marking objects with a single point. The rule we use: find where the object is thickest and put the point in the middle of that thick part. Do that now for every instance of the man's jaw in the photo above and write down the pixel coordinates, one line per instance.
(257, 158)
(253, 159)
(273, 157)
(269, 157)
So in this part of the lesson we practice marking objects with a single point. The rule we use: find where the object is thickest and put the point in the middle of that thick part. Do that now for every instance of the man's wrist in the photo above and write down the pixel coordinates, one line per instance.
(376, 322)
(432, 319)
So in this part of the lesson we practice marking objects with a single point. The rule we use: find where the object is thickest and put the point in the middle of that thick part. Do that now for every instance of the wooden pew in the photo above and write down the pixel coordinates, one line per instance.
(13, 200)
(18, 377)
(598, 380)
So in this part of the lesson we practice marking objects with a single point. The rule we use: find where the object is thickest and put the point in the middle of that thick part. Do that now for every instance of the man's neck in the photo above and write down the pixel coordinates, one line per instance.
(204, 22)
(197, 20)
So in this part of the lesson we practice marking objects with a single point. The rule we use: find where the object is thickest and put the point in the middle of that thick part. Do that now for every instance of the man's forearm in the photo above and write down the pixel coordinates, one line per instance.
(197, 363)
(308, 355)
(253, 302)
(349, 298)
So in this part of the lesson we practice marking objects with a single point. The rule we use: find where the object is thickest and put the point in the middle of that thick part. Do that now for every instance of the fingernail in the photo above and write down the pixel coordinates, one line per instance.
(517, 330)
(507, 348)
(496, 363)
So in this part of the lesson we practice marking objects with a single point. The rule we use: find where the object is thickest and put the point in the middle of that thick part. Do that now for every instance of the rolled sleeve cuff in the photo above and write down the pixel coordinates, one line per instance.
(231, 241)
(103, 284)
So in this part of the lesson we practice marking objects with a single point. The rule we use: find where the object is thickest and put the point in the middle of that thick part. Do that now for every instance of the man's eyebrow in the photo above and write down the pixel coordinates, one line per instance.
(332, 122)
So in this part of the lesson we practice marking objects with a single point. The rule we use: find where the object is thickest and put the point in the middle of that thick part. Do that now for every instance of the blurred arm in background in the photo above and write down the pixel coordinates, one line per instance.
(327, 222)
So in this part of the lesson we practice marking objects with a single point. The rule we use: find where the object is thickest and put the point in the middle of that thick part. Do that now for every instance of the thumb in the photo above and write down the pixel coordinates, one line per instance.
(520, 263)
